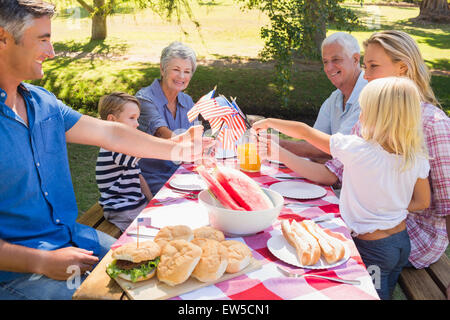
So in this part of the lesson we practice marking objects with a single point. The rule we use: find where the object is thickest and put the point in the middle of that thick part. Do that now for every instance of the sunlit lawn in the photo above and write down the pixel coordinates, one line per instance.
(227, 31)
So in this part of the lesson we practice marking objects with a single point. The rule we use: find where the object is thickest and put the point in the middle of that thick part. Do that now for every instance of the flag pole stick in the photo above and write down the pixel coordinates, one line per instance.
(214, 136)
(137, 233)
(243, 116)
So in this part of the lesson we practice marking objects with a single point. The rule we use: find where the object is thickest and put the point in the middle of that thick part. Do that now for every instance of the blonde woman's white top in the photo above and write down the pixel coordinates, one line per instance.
(375, 192)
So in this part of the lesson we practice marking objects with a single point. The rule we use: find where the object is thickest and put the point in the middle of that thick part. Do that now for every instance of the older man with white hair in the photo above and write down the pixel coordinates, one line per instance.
(341, 63)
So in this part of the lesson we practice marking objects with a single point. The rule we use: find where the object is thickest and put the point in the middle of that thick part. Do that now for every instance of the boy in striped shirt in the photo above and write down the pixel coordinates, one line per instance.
(123, 191)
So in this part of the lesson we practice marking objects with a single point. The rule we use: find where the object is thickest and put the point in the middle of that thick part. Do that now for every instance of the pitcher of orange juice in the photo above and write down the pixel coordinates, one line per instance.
(247, 152)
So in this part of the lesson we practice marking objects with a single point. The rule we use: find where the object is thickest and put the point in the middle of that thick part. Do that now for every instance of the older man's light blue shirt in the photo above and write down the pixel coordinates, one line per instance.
(333, 118)
(155, 114)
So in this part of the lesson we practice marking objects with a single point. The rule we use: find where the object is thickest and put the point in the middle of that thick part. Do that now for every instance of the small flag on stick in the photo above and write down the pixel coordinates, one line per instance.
(144, 221)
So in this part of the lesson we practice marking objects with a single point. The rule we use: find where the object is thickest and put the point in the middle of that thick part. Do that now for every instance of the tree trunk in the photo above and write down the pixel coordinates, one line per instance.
(318, 15)
(99, 30)
(434, 11)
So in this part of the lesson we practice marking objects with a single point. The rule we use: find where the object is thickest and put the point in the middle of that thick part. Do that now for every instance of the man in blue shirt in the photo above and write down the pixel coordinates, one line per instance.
(41, 245)
(340, 112)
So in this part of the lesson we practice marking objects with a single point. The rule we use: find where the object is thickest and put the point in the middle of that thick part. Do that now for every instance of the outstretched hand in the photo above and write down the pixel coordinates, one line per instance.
(268, 146)
(261, 125)
(193, 144)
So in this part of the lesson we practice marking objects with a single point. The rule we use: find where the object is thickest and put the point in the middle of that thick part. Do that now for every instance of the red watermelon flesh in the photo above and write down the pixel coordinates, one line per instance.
(243, 189)
(219, 192)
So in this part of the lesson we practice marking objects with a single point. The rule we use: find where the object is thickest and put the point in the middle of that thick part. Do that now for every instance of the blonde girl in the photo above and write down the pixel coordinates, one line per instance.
(386, 172)
(395, 53)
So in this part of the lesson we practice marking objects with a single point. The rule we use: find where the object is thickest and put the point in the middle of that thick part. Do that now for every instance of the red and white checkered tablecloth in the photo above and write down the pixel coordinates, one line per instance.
(268, 283)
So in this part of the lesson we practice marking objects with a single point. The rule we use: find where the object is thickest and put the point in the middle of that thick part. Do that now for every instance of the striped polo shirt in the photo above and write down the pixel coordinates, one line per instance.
(118, 181)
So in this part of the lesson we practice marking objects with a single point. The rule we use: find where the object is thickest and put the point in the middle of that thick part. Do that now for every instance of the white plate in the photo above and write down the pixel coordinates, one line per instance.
(191, 214)
(298, 190)
(191, 182)
(281, 249)
(225, 154)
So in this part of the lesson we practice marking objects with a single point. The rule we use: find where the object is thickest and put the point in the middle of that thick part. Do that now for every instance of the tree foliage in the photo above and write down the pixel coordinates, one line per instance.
(99, 10)
(297, 29)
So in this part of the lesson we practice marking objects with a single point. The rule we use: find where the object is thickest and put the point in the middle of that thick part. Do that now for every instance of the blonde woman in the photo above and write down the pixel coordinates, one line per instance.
(386, 175)
(395, 53)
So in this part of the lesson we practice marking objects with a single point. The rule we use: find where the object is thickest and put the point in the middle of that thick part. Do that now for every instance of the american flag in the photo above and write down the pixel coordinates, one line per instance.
(194, 112)
(218, 111)
(209, 109)
(147, 221)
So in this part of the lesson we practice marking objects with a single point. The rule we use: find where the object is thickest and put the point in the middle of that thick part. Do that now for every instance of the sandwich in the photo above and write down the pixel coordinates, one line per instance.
(135, 264)
(239, 255)
(332, 248)
(306, 246)
(178, 260)
(213, 261)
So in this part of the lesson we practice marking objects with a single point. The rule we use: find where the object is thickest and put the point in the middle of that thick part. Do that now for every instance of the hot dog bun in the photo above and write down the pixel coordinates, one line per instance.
(332, 248)
(307, 247)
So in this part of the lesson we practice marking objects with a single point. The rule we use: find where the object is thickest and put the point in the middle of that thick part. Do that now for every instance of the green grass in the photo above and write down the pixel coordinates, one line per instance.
(225, 30)
(127, 60)
(432, 39)
(82, 161)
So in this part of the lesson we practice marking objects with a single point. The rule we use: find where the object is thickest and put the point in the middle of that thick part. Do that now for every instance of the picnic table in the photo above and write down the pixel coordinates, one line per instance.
(266, 282)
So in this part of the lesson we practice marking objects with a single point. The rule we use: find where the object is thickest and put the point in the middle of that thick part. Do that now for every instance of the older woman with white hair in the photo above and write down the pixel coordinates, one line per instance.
(164, 108)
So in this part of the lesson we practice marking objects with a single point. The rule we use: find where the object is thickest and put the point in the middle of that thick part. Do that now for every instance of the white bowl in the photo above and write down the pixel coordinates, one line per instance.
(241, 223)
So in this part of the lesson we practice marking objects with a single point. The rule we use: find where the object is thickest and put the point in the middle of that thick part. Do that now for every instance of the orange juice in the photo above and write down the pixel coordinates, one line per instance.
(248, 157)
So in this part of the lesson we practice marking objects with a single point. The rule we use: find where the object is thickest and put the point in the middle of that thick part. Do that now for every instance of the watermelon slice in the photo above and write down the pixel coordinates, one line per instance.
(219, 192)
(243, 189)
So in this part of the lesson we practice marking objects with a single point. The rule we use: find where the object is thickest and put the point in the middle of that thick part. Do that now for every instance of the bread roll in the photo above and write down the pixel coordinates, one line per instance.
(178, 260)
(332, 248)
(213, 262)
(306, 246)
(148, 250)
(170, 233)
(239, 255)
(209, 233)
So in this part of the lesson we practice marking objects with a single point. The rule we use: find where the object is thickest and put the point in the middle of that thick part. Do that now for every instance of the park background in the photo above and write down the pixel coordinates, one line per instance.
(228, 44)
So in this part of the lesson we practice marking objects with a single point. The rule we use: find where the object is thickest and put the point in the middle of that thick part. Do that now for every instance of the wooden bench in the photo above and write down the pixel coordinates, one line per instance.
(427, 284)
(106, 287)
(95, 219)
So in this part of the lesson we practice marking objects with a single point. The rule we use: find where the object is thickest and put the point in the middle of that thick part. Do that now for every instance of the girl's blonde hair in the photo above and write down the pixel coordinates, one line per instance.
(399, 46)
(391, 116)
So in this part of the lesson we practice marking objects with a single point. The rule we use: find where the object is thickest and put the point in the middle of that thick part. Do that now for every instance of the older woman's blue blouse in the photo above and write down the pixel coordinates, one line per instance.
(155, 114)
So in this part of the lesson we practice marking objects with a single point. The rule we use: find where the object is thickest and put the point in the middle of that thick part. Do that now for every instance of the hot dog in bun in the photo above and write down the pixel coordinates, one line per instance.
(307, 247)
